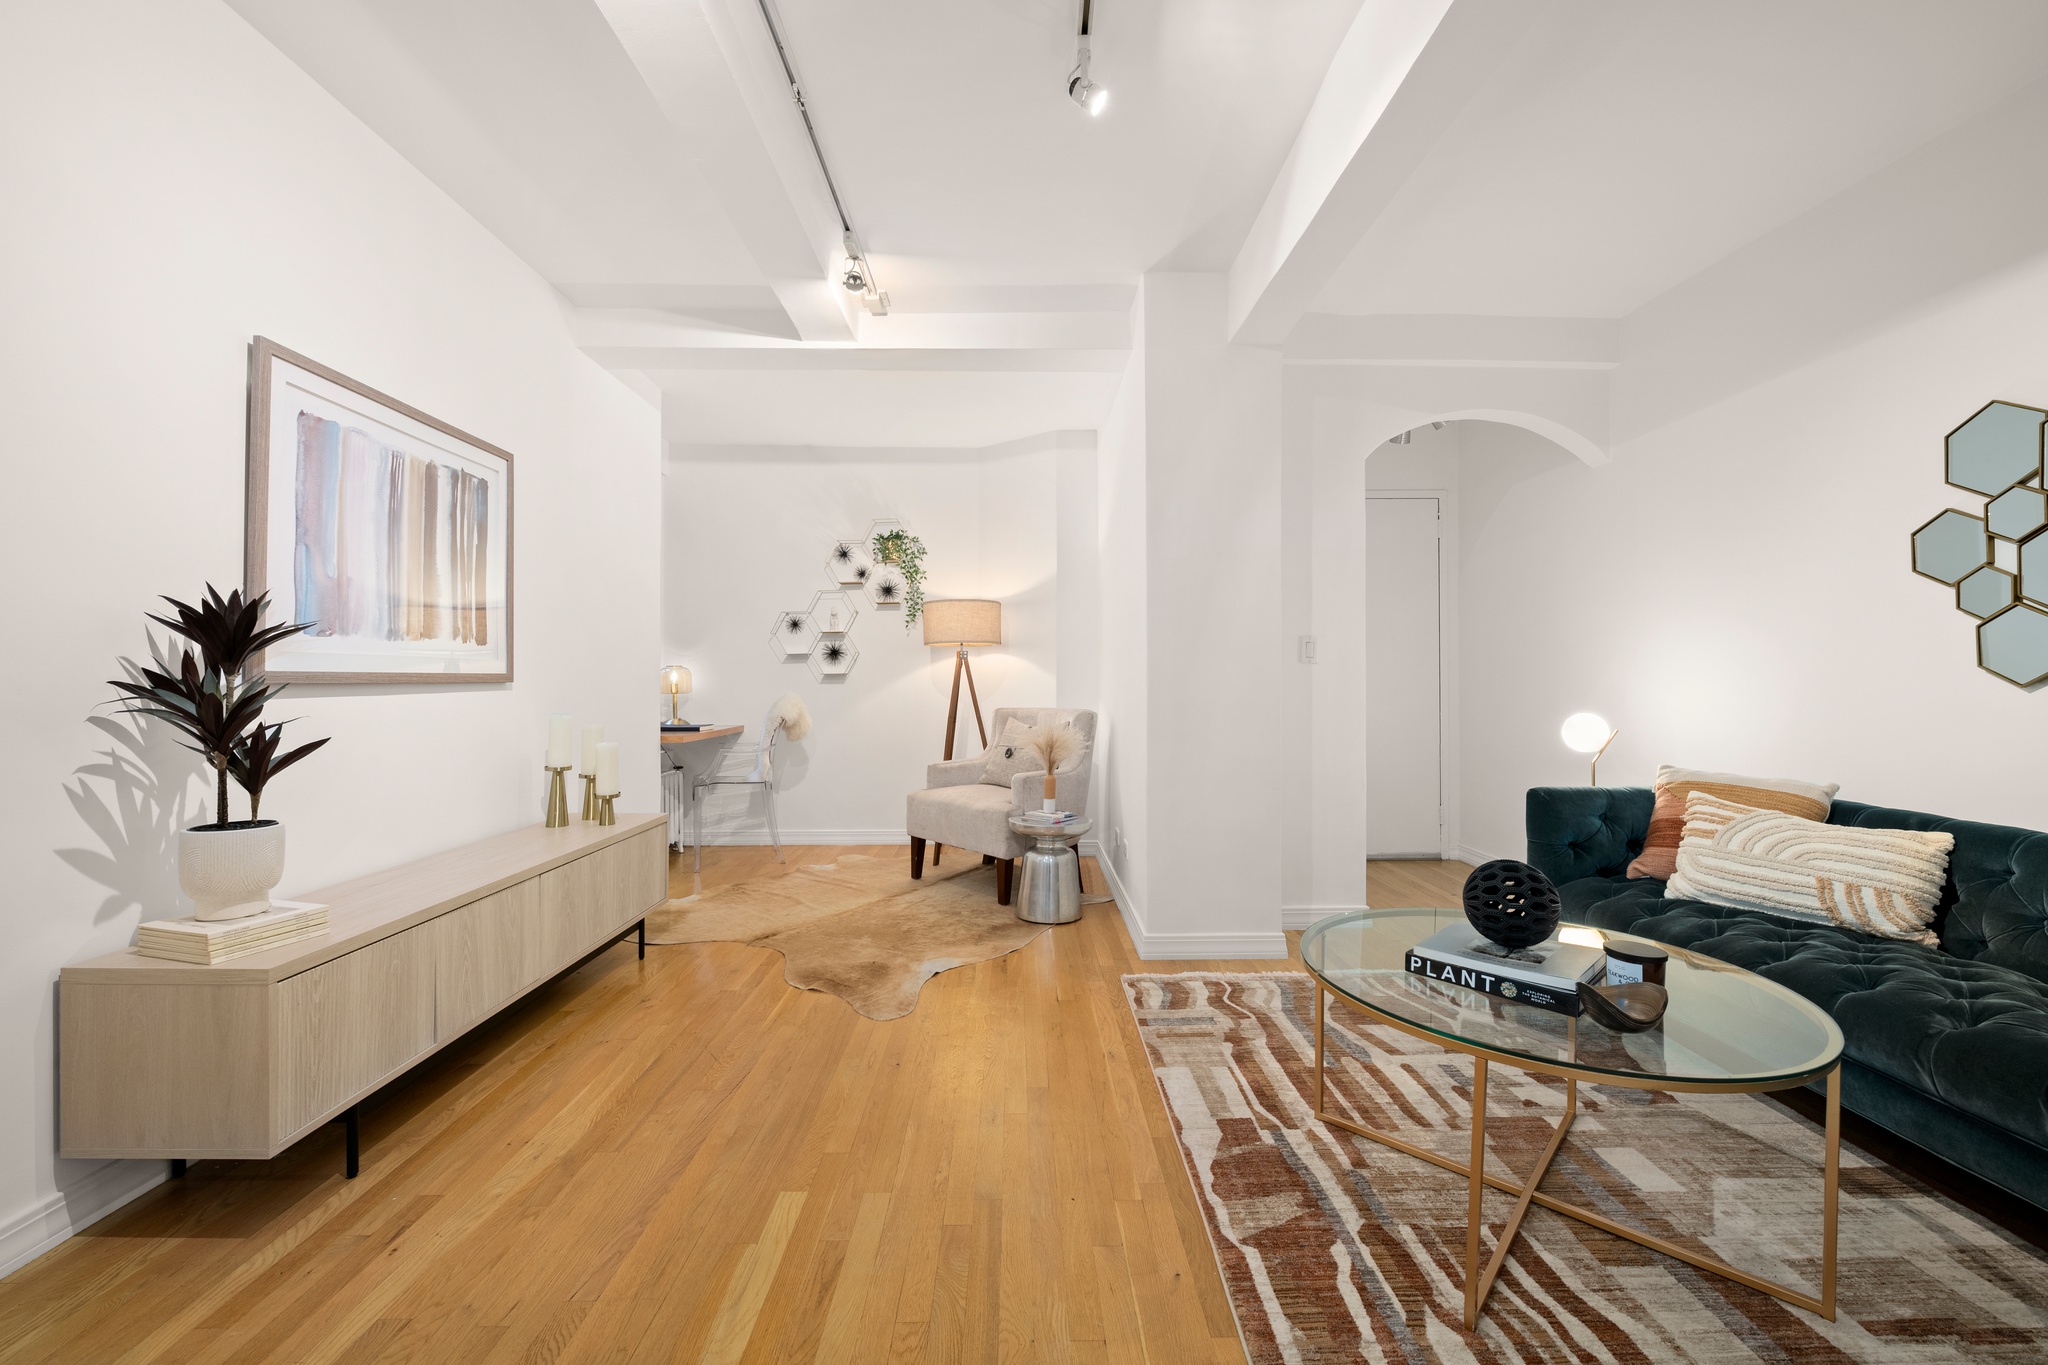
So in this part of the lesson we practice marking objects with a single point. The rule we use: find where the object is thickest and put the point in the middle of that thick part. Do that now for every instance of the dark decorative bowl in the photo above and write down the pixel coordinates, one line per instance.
(1511, 903)
(1627, 1008)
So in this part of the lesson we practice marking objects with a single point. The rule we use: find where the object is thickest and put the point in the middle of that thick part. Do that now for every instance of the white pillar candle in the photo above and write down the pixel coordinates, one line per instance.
(608, 769)
(591, 735)
(559, 740)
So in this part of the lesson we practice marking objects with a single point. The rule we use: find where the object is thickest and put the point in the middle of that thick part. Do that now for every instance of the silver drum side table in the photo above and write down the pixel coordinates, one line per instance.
(1049, 892)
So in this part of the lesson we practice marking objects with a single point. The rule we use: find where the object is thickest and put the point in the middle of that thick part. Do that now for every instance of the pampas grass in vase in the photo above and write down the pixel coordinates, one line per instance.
(1055, 745)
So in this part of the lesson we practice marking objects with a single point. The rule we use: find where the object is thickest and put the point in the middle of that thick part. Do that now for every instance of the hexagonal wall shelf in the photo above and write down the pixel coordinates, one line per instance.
(1950, 546)
(886, 586)
(833, 657)
(2017, 513)
(833, 613)
(2014, 645)
(848, 564)
(792, 636)
(1997, 448)
(1986, 592)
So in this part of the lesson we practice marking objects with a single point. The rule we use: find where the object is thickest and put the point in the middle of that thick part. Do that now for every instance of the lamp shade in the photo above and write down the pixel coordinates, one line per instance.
(1585, 732)
(963, 621)
(675, 680)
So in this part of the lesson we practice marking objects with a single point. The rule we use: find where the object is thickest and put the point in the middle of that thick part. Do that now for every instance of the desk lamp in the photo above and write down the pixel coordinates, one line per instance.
(675, 680)
(961, 622)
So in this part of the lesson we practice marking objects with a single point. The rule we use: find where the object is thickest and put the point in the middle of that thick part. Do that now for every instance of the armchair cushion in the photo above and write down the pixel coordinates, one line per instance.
(1070, 790)
(973, 816)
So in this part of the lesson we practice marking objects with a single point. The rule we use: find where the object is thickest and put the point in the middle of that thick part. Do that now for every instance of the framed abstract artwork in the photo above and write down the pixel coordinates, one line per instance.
(389, 530)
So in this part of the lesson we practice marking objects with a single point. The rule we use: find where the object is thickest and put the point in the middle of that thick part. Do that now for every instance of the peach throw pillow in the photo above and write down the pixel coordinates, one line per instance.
(1659, 857)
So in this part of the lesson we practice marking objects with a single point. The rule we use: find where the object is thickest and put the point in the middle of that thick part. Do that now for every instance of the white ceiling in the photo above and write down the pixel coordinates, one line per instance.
(646, 159)
(1635, 142)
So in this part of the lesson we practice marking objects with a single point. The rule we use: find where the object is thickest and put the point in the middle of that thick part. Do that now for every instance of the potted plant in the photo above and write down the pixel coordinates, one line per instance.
(906, 553)
(228, 867)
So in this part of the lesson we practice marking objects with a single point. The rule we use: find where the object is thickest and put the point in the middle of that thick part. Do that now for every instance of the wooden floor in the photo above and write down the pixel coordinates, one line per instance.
(686, 1160)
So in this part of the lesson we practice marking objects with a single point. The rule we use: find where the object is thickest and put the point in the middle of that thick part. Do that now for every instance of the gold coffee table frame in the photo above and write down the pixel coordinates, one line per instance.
(1479, 1284)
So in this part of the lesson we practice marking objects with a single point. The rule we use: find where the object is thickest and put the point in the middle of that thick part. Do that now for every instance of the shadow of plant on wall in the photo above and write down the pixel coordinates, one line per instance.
(149, 795)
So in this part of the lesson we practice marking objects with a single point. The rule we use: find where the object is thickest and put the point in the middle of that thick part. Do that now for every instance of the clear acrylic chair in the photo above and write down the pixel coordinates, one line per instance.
(762, 776)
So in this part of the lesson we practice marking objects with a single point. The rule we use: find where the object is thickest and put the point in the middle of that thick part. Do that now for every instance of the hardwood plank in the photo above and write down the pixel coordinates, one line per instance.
(686, 1158)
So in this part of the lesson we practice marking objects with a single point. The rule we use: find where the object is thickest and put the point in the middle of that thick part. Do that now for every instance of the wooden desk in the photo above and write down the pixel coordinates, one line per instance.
(243, 1058)
(692, 736)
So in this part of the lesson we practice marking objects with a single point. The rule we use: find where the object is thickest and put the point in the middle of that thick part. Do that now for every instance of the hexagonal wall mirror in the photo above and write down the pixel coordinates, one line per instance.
(1949, 546)
(1986, 592)
(1996, 562)
(2014, 645)
(1997, 448)
(2017, 512)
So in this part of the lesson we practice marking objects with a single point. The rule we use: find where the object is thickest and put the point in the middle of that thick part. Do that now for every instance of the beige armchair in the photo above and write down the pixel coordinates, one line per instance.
(958, 808)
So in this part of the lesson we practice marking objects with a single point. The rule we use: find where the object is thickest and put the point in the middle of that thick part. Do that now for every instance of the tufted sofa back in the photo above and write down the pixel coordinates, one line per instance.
(1993, 909)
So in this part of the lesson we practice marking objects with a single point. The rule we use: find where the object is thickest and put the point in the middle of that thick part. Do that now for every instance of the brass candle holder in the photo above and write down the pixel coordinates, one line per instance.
(605, 814)
(590, 796)
(558, 797)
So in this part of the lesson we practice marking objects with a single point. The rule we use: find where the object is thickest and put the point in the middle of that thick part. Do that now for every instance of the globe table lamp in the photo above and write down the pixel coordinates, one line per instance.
(963, 622)
(1587, 733)
(675, 680)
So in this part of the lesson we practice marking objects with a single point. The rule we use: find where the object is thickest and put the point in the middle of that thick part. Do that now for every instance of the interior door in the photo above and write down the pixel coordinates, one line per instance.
(1403, 693)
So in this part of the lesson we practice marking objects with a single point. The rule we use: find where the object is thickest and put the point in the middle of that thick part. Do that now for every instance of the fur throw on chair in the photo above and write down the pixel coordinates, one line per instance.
(792, 715)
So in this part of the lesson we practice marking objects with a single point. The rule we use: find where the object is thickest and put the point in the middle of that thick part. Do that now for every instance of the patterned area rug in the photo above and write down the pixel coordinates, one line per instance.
(858, 928)
(1335, 1248)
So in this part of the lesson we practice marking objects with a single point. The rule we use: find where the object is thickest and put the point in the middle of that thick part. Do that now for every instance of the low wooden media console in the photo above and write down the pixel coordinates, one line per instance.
(244, 1058)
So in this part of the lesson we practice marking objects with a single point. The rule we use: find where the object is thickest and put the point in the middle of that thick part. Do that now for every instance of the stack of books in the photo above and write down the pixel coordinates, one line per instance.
(209, 941)
(1452, 955)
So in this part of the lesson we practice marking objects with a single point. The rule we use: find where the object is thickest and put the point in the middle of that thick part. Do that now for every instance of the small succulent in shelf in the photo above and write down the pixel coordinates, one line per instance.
(906, 552)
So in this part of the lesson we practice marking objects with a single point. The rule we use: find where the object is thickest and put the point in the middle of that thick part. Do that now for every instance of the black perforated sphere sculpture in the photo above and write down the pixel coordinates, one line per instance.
(1511, 903)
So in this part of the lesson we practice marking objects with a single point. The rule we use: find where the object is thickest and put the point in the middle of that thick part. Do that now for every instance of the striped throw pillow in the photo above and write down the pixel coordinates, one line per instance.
(1884, 882)
(1667, 818)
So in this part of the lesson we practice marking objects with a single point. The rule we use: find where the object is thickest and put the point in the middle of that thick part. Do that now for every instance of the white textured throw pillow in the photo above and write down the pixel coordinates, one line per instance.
(1884, 882)
(1010, 754)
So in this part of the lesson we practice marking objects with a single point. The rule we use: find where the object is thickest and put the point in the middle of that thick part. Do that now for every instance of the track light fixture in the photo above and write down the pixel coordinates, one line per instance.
(858, 276)
(1081, 88)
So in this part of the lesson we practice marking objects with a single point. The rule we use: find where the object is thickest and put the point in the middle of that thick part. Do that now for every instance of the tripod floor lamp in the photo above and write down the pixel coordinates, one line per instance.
(963, 622)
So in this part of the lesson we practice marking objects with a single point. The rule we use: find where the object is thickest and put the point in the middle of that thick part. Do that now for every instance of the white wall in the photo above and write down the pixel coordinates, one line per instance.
(1214, 629)
(1123, 829)
(748, 530)
(174, 187)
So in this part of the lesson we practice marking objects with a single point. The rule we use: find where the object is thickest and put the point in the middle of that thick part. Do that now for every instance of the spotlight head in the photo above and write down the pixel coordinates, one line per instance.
(855, 279)
(1081, 88)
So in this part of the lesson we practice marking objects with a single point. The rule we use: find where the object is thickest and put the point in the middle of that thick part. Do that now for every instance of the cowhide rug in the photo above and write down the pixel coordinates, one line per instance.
(859, 927)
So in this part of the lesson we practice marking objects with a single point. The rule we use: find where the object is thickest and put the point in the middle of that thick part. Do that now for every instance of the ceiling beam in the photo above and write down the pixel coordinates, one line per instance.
(1403, 73)
(1455, 340)
(706, 63)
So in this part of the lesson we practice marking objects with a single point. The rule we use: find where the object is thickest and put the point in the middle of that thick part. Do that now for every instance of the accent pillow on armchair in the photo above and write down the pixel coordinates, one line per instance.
(1010, 754)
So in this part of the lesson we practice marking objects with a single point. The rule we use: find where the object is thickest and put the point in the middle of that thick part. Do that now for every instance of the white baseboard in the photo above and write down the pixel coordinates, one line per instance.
(1302, 916)
(54, 1219)
(1469, 854)
(1183, 947)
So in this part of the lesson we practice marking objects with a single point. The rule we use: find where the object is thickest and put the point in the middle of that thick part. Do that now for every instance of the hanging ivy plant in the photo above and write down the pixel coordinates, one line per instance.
(906, 552)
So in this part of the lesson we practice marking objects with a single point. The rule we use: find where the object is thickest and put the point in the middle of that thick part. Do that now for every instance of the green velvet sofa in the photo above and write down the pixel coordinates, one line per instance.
(1947, 1048)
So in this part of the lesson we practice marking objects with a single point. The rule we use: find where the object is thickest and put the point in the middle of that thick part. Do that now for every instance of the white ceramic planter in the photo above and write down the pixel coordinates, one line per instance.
(228, 873)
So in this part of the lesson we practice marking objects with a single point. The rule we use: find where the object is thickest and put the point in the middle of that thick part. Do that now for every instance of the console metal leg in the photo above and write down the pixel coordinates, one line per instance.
(177, 1168)
(643, 940)
(350, 1121)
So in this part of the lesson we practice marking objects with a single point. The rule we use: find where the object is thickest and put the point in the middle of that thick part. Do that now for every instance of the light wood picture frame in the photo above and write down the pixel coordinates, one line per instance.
(387, 528)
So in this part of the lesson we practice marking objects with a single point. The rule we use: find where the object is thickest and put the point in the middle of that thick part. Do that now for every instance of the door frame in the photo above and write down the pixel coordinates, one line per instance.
(1449, 844)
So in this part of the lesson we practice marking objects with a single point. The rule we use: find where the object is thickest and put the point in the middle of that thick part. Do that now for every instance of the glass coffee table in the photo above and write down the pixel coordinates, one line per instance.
(1726, 1031)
